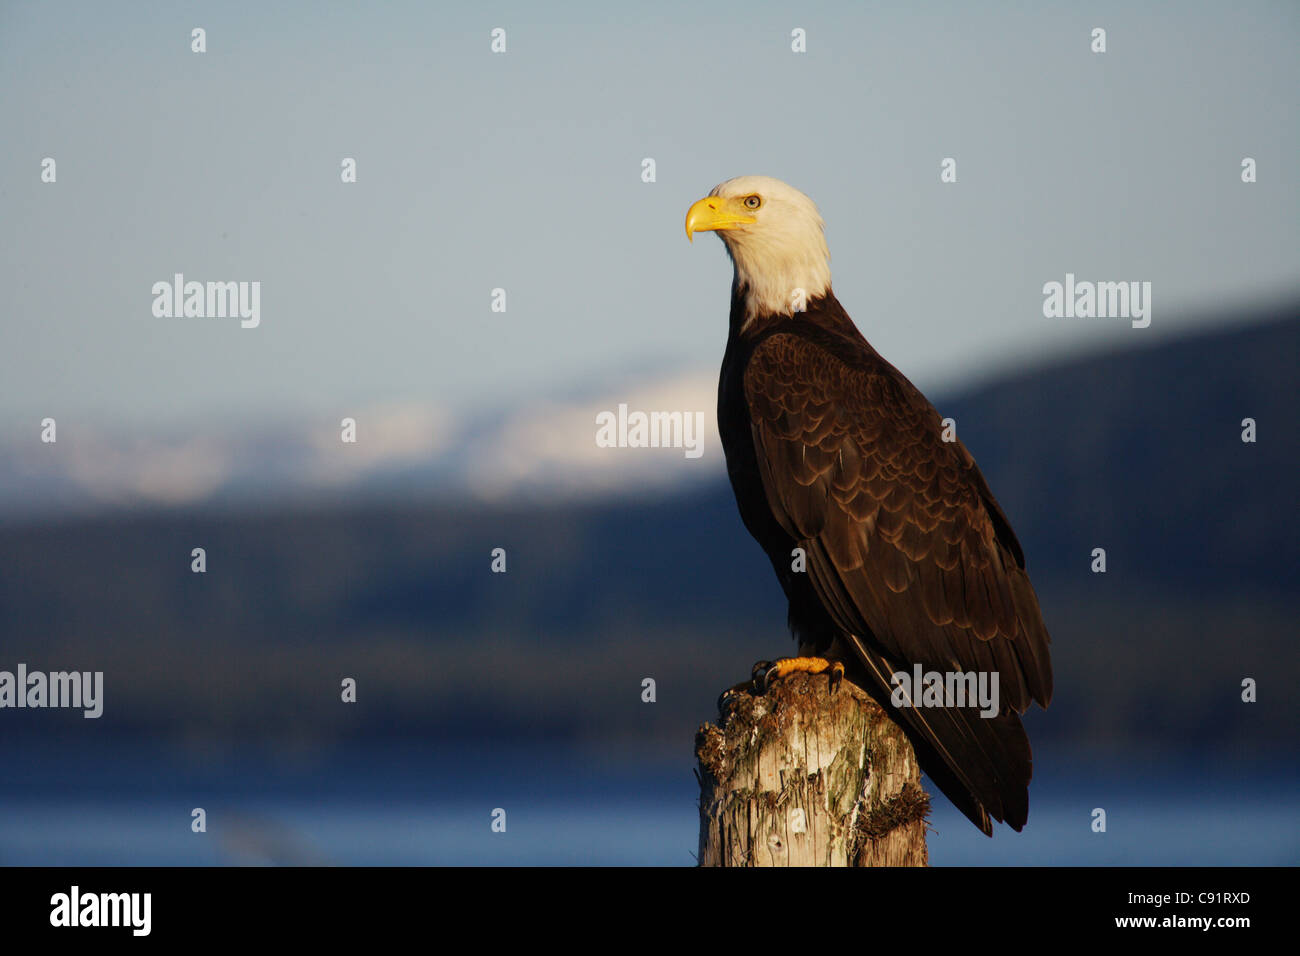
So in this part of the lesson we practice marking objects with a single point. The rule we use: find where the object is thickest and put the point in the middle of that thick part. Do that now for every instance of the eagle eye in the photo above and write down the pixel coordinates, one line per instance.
(753, 202)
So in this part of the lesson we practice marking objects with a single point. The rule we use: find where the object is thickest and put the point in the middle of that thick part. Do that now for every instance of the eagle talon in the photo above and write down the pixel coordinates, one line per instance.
(765, 672)
(836, 675)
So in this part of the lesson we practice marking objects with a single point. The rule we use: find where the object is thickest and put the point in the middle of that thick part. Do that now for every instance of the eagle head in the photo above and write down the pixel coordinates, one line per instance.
(775, 237)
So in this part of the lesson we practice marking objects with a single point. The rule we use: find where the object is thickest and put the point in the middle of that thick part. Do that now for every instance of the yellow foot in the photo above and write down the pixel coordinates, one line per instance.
(767, 671)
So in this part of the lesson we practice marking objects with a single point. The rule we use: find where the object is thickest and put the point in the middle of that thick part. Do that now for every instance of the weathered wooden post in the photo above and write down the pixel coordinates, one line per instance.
(803, 777)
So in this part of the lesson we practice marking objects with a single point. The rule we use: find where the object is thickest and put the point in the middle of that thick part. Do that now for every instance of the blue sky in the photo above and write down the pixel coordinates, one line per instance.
(522, 171)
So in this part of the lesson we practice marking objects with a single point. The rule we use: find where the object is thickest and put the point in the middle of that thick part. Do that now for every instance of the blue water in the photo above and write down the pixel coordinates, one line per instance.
(368, 806)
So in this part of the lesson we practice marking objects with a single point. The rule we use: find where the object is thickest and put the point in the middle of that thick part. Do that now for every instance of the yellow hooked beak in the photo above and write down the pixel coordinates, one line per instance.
(714, 213)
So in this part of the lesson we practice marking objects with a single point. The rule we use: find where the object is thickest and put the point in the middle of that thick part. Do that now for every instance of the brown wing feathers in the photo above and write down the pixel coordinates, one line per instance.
(907, 549)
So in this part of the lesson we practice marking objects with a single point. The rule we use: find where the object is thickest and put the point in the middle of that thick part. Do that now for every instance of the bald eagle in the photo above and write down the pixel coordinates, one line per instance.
(888, 543)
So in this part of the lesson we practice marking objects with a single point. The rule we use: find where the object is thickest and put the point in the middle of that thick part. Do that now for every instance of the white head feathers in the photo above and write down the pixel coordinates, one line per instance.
(782, 255)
